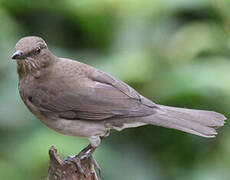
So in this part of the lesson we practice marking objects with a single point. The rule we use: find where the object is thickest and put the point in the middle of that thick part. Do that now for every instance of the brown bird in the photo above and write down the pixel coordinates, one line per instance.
(76, 99)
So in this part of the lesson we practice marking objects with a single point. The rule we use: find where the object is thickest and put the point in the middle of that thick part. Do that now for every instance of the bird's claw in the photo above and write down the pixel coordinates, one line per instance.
(77, 161)
(96, 166)
(85, 153)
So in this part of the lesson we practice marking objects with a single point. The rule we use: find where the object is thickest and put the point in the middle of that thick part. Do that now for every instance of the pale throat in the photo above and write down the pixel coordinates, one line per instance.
(31, 66)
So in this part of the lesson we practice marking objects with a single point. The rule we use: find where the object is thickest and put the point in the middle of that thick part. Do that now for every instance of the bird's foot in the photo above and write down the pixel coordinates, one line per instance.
(77, 161)
(86, 153)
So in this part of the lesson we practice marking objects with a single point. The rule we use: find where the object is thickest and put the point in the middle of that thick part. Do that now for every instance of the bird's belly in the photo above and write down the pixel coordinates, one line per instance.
(76, 127)
(82, 128)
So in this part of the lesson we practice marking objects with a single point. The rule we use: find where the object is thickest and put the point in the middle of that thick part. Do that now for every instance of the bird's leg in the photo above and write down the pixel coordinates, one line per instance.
(87, 152)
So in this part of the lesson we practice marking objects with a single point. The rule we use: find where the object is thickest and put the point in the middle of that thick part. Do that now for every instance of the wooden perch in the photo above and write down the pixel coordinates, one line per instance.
(68, 170)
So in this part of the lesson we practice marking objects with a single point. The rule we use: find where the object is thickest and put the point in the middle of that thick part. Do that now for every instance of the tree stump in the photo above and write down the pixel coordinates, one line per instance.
(67, 170)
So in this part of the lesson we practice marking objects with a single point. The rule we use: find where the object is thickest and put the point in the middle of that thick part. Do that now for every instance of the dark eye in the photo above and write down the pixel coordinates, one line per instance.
(38, 50)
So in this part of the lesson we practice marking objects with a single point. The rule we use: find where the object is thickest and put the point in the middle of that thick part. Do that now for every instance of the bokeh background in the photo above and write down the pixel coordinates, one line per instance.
(175, 52)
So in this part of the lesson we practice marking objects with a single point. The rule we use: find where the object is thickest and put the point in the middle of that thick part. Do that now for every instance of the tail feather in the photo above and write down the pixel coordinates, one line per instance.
(198, 122)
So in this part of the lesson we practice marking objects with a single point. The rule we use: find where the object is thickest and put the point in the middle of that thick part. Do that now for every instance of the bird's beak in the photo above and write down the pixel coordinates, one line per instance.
(18, 55)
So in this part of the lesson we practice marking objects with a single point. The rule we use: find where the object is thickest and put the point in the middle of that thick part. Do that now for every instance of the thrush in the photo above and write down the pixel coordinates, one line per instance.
(76, 99)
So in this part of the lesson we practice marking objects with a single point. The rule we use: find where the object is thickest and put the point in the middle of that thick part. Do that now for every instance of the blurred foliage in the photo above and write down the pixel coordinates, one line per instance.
(174, 52)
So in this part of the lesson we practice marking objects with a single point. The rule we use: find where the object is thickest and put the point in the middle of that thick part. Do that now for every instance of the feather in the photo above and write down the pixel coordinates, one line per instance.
(199, 122)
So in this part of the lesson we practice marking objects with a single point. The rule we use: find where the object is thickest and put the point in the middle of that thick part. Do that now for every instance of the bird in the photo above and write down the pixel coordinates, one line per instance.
(77, 99)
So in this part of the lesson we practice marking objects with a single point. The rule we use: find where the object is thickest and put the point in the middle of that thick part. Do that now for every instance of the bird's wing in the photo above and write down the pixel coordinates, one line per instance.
(102, 77)
(96, 96)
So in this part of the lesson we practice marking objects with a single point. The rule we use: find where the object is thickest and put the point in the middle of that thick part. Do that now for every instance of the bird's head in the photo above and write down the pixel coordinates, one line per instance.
(30, 47)
(32, 54)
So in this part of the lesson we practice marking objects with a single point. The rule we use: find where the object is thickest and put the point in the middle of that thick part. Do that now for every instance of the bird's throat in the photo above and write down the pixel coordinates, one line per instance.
(29, 67)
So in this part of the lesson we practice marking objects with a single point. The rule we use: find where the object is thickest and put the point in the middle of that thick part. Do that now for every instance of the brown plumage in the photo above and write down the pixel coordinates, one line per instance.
(76, 99)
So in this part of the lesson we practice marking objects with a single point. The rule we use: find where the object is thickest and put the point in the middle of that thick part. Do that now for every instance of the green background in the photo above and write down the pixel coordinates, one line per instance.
(175, 52)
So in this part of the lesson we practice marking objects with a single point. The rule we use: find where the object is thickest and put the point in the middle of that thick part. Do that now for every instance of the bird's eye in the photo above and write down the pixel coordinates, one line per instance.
(38, 50)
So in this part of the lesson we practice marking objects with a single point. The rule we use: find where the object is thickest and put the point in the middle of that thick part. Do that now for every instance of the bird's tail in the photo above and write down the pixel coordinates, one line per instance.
(198, 122)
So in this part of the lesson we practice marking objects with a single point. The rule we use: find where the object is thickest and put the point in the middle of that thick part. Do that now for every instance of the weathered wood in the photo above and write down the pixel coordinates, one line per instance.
(67, 170)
